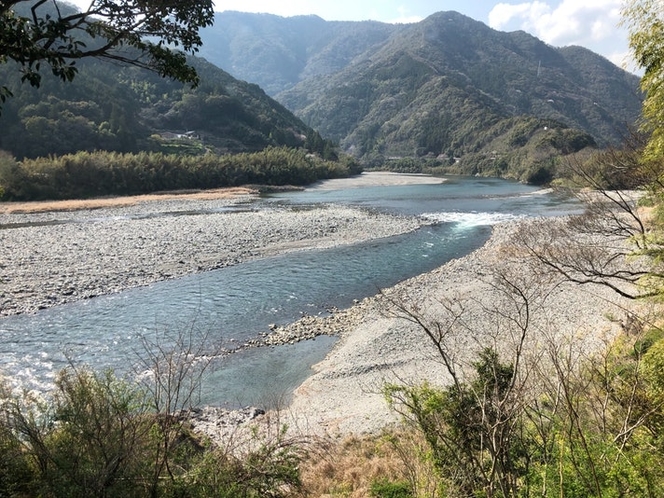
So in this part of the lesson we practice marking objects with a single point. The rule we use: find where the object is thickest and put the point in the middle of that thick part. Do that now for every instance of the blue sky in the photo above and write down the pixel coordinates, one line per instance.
(589, 23)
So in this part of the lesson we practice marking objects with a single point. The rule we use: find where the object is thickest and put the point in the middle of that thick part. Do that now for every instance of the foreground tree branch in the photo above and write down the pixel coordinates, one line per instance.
(139, 33)
(609, 245)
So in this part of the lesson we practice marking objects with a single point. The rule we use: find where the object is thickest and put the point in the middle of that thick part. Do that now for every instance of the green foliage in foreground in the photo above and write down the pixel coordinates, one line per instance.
(643, 19)
(100, 436)
(588, 430)
(94, 174)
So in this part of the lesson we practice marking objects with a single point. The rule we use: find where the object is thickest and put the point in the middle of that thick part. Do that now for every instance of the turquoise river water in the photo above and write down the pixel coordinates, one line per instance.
(237, 303)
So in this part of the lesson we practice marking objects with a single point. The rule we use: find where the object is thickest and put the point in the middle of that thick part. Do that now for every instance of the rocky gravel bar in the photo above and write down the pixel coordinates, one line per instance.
(380, 343)
(52, 258)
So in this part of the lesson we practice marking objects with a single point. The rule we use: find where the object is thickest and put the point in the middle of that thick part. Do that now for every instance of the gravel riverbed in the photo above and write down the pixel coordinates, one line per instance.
(51, 258)
(48, 259)
(380, 344)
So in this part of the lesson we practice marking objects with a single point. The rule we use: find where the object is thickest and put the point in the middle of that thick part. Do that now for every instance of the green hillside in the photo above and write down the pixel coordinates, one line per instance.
(126, 109)
(447, 92)
(450, 89)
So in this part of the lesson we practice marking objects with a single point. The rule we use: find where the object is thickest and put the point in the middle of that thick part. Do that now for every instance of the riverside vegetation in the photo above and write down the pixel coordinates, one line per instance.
(95, 174)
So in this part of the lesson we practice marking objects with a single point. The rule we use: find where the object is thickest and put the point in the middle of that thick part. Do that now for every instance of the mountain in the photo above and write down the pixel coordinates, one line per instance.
(126, 109)
(278, 52)
(480, 100)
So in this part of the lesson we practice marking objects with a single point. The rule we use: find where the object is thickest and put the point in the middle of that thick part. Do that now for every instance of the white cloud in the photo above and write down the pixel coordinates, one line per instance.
(589, 23)
(567, 23)
(404, 16)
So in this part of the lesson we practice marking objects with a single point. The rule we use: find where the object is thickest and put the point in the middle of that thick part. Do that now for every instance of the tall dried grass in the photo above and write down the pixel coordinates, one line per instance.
(348, 468)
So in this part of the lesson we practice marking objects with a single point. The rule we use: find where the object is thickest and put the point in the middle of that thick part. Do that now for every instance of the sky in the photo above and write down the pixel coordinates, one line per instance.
(590, 23)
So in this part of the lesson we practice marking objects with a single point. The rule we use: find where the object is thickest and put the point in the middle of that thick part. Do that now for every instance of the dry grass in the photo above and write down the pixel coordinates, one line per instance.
(114, 202)
(348, 468)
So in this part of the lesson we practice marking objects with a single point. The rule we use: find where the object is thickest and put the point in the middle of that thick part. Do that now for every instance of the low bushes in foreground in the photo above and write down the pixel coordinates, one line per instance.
(592, 428)
(99, 435)
(96, 434)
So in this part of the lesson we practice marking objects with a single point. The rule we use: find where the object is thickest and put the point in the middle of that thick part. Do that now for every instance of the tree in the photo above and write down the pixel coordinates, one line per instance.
(617, 241)
(139, 33)
(476, 427)
(645, 21)
(541, 411)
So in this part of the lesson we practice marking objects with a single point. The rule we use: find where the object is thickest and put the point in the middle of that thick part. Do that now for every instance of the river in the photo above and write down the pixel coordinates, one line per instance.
(235, 304)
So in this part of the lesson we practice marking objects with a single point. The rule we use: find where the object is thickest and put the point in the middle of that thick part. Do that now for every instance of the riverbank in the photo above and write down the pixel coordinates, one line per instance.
(53, 257)
(381, 343)
(49, 258)
(119, 202)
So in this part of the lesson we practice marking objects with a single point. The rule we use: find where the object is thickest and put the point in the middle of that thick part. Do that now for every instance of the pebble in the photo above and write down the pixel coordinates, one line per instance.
(88, 253)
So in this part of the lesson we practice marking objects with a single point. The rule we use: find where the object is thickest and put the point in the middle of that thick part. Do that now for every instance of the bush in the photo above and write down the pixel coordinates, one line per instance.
(389, 489)
(98, 435)
(17, 477)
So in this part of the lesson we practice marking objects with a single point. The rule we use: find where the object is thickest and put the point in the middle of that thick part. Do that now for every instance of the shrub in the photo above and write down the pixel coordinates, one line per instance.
(103, 436)
(384, 488)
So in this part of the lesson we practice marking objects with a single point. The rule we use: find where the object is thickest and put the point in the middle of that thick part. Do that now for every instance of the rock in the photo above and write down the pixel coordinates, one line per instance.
(108, 256)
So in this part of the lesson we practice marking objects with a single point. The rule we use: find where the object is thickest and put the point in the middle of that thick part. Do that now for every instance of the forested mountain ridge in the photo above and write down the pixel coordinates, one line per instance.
(447, 87)
(127, 109)
(278, 52)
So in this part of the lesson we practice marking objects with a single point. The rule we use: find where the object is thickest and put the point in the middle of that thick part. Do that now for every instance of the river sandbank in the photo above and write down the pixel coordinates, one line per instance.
(51, 258)
(468, 298)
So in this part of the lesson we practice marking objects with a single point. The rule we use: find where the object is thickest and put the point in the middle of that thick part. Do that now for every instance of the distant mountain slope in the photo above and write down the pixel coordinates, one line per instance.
(277, 52)
(109, 107)
(510, 73)
(446, 87)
